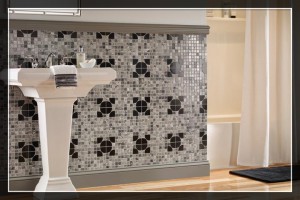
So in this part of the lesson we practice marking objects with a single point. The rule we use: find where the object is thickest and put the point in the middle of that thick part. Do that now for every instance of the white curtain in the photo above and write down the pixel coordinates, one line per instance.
(265, 131)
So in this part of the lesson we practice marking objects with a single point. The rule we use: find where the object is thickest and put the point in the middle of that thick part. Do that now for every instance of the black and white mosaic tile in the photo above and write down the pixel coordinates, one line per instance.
(141, 144)
(106, 107)
(73, 148)
(154, 113)
(175, 142)
(106, 146)
(203, 139)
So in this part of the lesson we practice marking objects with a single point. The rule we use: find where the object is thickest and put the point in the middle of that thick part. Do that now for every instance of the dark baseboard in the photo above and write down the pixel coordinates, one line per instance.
(121, 176)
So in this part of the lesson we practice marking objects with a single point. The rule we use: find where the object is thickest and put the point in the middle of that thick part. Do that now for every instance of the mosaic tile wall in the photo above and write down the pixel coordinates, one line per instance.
(154, 113)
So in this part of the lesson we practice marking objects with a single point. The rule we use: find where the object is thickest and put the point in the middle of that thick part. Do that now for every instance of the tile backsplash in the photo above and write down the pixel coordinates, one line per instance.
(154, 113)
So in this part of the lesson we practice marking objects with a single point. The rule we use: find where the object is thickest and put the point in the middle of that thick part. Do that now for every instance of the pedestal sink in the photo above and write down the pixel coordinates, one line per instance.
(55, 107)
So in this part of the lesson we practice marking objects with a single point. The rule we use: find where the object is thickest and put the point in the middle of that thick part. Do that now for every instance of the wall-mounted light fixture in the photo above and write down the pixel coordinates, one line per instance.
(69, 12)
(38, 7)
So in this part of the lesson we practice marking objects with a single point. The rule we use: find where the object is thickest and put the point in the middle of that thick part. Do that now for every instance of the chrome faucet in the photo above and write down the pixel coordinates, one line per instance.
(34, 62)
(49, 60)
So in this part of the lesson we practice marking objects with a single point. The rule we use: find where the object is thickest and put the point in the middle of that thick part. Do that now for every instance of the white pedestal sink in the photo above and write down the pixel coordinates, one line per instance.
(55, 117)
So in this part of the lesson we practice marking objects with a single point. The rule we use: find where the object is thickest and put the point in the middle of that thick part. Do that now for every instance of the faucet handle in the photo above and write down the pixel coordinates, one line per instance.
(35, 63)
(32, 60)
(62, 62)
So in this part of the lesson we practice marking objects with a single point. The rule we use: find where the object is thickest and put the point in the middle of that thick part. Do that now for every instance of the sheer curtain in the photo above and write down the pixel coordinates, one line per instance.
(265, 131)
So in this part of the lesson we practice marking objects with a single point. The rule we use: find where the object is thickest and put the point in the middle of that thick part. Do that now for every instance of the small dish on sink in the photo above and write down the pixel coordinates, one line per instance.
(88, 63)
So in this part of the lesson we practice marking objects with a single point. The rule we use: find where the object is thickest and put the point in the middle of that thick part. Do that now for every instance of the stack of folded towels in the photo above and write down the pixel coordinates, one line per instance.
(65, 75)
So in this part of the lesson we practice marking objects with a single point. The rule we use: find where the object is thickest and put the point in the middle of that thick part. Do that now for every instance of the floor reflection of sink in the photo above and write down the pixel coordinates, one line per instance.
(55, 117)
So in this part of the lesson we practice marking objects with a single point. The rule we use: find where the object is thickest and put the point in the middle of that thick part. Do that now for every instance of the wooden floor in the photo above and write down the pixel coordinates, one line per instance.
(219, 180)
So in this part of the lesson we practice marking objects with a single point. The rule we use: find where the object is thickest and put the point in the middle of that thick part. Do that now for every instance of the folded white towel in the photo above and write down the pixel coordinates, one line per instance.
(65, 75)
(63, 69)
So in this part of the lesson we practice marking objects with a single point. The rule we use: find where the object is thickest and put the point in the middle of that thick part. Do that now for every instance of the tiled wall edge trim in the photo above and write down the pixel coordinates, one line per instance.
(110, 27)
(122, 177)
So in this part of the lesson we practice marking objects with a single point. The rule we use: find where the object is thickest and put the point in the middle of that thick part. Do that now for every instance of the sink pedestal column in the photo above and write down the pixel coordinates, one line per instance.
(55, 109)
(55, 123)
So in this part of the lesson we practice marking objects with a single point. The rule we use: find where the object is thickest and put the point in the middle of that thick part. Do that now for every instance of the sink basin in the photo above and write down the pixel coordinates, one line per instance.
(39, 82)
(55, 107)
